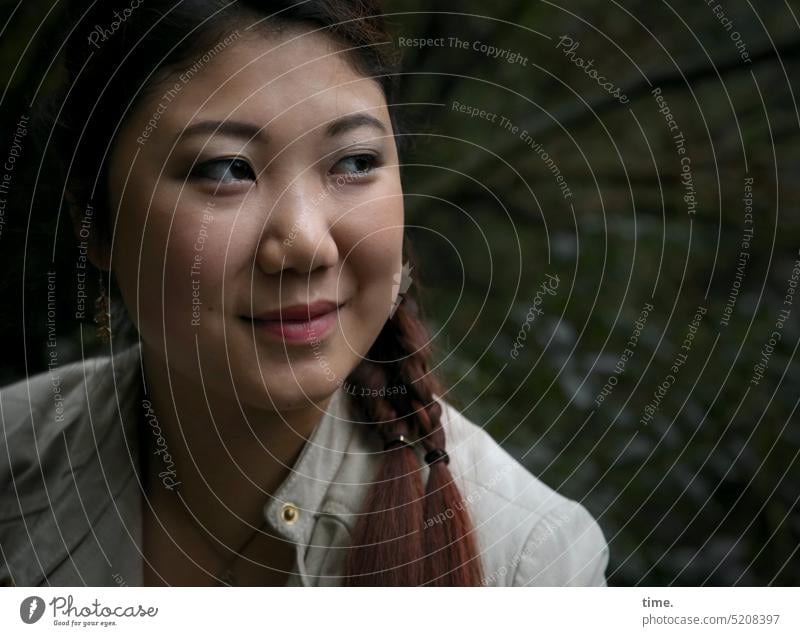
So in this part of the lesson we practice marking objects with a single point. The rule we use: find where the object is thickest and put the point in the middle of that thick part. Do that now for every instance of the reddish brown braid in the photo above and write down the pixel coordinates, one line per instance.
(392, 543)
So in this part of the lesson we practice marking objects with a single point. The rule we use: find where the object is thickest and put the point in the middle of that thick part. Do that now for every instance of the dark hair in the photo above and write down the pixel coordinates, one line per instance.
(153, 39)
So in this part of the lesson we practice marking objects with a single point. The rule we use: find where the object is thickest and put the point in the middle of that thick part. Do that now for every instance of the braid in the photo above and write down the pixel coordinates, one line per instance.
(392, 543)
(452, 554)
(387, 541)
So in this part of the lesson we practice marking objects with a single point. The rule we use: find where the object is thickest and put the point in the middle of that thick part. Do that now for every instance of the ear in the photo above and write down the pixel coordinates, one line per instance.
(84, 227)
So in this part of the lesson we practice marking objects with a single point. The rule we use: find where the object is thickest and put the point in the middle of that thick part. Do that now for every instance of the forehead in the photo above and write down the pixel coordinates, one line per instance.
(292, 77)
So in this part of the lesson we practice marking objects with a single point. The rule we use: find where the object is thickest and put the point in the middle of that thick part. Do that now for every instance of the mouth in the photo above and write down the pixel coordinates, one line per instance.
(297, 324)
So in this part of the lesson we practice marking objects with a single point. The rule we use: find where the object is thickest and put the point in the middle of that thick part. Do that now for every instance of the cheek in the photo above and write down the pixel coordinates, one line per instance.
(170, 268)
(377, 256)
(372, 243)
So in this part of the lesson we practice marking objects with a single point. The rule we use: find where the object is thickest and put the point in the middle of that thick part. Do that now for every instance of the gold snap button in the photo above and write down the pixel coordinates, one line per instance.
(289, 513)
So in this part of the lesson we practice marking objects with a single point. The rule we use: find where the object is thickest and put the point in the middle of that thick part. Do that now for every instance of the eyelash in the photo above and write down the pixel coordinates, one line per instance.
(373, 159)
(201, 170)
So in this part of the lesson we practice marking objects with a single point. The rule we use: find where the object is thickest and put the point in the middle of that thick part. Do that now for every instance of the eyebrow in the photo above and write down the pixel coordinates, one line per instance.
(247, 131)
(350, 122)
(228, 128)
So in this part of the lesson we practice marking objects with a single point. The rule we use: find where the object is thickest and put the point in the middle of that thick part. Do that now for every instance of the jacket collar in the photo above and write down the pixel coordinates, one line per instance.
(311, 477)
(103, 417)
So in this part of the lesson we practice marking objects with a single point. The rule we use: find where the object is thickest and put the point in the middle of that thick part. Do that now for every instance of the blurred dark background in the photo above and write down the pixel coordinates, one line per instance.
(705, 489)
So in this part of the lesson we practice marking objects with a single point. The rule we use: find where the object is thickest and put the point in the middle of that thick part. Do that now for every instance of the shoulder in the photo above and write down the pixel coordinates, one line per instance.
(528, 533)
(54, 422)
(61, 458)
(36, 414)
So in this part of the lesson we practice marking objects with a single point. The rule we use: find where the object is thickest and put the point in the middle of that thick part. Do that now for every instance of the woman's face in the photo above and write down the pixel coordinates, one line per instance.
(262, 180)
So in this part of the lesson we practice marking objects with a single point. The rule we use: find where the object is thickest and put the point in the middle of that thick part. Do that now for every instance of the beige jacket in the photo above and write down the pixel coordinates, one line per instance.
(70, 504)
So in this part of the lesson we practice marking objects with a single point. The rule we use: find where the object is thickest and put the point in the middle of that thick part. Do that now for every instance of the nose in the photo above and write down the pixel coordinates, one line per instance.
(297, 233)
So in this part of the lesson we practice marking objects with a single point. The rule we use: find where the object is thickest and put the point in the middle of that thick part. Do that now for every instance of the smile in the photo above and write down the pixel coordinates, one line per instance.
(298, 324)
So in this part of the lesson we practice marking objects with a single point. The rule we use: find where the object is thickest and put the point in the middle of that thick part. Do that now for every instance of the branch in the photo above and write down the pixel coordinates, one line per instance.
(575, 112)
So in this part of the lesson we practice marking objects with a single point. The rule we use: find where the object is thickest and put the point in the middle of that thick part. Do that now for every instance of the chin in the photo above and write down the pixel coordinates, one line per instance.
(285, 391)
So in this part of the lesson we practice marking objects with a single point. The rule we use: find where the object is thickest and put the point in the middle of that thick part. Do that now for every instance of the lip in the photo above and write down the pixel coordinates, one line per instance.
(299, 312)
(298, 324)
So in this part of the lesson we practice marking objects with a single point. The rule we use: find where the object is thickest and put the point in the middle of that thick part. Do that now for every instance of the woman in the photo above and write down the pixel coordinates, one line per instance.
(232, 171)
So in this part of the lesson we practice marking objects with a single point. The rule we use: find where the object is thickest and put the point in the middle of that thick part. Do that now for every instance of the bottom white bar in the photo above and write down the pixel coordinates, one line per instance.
(401, 611)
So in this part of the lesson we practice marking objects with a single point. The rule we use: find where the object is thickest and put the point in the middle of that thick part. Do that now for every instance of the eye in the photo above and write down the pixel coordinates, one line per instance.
(362, 163)
(224, 171)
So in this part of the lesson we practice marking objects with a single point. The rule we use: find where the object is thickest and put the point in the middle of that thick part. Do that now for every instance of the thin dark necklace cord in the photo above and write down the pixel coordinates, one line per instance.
(228, 577)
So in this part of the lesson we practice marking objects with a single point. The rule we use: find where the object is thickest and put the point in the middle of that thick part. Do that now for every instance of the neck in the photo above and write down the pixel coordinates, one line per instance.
(225, 458)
